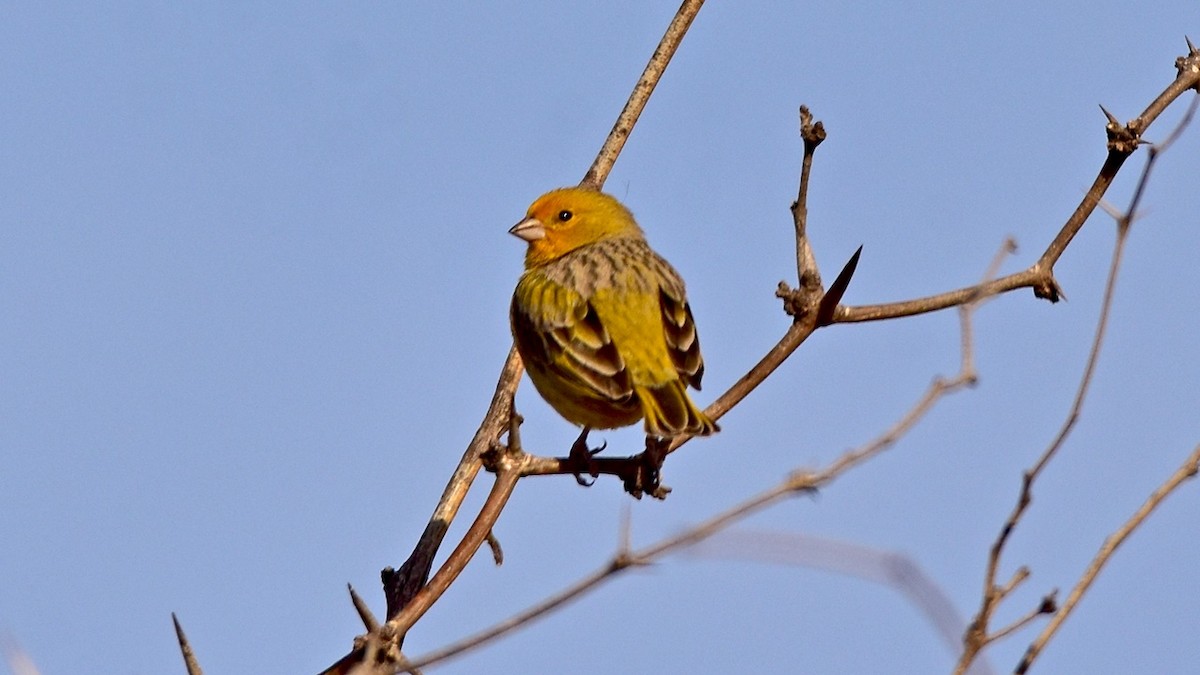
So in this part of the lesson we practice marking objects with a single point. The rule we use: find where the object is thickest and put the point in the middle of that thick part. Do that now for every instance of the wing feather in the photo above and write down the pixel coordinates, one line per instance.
(558, 330)
(680, 330)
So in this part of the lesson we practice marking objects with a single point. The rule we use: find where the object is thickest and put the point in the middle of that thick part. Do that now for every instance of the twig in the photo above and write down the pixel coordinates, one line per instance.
(1122, 141)
(401, 586)
(598, 172)
(803, 304)
(1048, 606)
(977, 636)
(796, 482)
(1187, 470)
(506, 480)
(619, 563)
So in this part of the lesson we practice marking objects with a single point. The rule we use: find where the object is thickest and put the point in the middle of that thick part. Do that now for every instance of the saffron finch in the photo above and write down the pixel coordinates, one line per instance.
(602, 321)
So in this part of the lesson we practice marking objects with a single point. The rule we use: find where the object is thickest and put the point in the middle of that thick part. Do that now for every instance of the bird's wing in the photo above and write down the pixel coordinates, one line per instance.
(680, 331)
(558, 330)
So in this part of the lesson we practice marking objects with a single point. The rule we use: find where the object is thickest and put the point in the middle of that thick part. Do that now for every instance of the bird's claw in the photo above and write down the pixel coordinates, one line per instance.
(581, 458)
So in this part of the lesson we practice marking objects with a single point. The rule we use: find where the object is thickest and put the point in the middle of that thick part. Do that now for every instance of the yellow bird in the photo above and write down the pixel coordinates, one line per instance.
(602, 321)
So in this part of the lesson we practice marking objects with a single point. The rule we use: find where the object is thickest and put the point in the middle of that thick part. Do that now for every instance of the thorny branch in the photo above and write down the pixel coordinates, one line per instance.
(404, 585)
(978, 636)
(408, 594)
(1189, 469)
(797, 482)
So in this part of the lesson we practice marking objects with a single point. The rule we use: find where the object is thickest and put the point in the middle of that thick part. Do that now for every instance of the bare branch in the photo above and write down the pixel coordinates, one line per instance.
(978, 636)
(1187, 470)
(620, 562)
(408, 594)
(401, 585)
(796, 482)
(506, 480)
(1048, 606)
(598, 172)
(1122, 141)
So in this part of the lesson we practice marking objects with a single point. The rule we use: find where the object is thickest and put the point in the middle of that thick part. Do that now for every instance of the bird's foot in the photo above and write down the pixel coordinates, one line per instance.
(581, 458)
(651, 469)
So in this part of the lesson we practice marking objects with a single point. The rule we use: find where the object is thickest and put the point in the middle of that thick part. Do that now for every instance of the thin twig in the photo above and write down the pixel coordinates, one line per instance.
(401, 585)
(506, 480)
(796, 482)
(802, 303)
(1122, 141)
(598, 172)
(618, 564)
(1048, 606)
(978, 635)
(1187, 470)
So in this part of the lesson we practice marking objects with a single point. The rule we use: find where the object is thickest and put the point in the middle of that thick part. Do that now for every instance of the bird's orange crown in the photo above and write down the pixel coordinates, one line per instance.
(563, 220)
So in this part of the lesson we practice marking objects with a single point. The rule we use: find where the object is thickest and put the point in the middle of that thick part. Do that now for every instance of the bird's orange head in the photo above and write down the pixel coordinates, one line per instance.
(565, 219)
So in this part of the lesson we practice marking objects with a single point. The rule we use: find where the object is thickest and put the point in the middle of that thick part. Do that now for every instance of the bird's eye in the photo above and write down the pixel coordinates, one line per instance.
(564, 216)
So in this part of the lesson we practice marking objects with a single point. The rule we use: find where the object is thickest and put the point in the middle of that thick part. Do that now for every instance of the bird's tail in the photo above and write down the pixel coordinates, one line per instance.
(669, 411)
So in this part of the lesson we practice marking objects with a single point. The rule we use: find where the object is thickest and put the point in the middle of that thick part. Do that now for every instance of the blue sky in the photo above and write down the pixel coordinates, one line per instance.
(254, 280)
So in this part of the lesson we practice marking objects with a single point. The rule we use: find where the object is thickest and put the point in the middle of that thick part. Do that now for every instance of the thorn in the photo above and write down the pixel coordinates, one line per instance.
(189, 658)
(364, 612)
(1192, 51)
(834, 295)
(1111, 120)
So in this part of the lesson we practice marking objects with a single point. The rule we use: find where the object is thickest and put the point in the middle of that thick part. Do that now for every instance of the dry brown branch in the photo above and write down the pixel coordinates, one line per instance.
(507, 476)
(403, 586)
(1187, 470)
(607, 157)
(978, 635)
(400, 585)
(806, 305)
(408, 593)
(798, 481)
(1122, 141)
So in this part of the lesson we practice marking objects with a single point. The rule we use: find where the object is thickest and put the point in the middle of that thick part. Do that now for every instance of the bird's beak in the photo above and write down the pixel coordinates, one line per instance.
(530, 229)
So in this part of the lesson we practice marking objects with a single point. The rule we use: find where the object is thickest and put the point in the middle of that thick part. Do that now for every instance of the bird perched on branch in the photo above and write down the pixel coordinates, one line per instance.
(602, 321)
